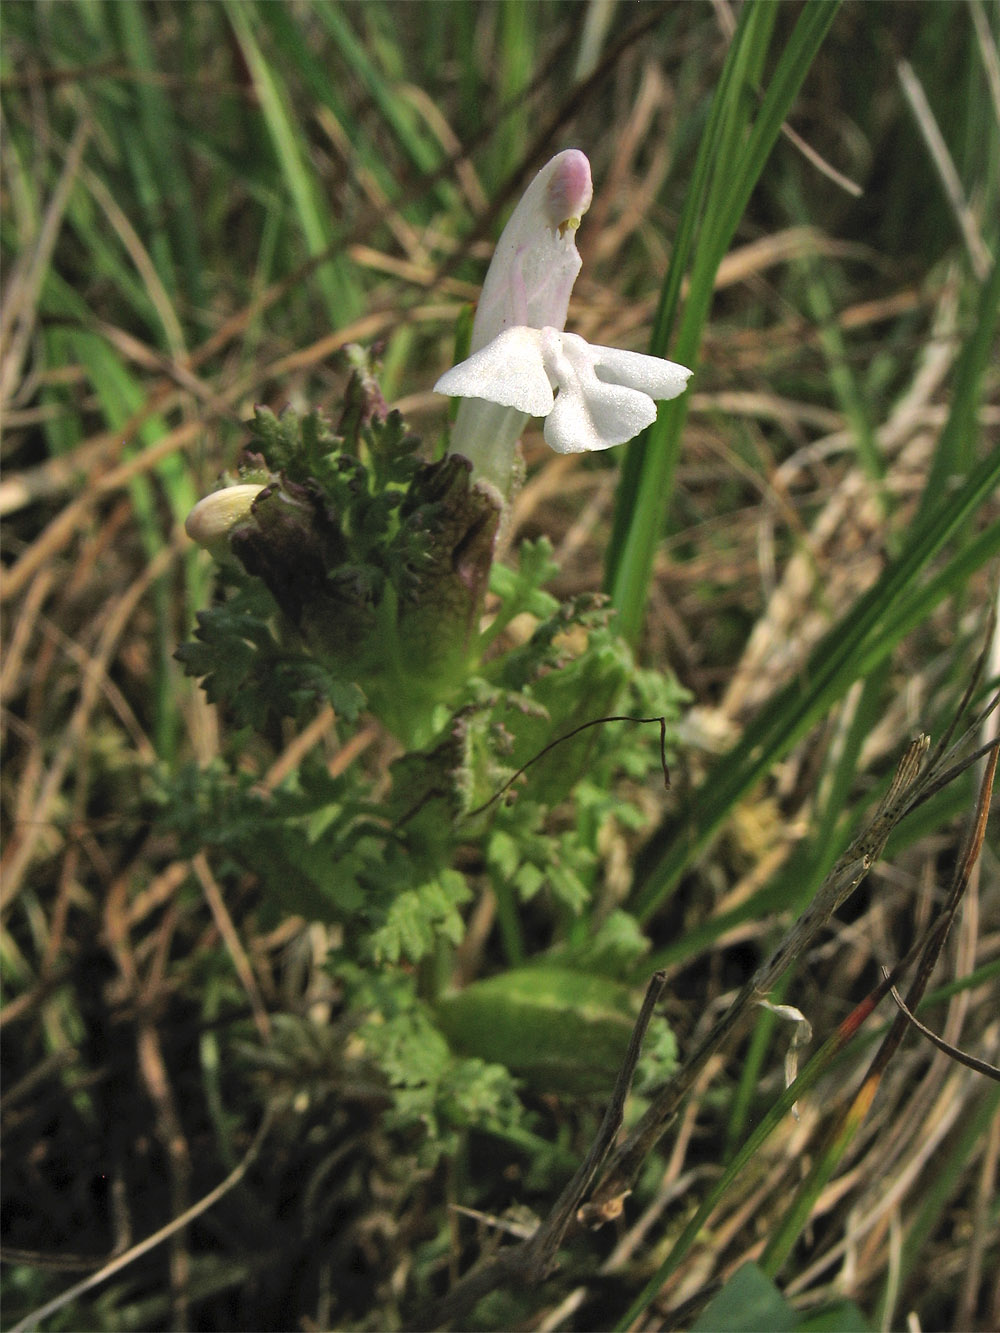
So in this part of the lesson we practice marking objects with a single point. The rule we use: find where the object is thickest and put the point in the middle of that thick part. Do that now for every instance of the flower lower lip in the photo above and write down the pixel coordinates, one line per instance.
(592, 397)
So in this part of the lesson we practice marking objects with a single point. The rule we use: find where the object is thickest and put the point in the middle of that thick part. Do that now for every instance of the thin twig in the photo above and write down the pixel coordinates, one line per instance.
(962, 1057)
(594, 722)
(843, 879)
(532, 1260)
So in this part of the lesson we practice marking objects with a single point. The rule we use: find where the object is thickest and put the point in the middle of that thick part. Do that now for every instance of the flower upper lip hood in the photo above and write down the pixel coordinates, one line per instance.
(522, 364)
(536, 261)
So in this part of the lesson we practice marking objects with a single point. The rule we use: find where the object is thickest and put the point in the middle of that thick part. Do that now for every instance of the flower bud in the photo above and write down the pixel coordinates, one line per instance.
(212, 518)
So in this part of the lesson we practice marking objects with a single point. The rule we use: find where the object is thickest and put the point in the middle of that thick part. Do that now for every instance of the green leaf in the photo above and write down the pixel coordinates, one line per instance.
(751, 1303)
(502, 853)
(521, 590)
(432, 1088)
(419, 917)
(560, 1030)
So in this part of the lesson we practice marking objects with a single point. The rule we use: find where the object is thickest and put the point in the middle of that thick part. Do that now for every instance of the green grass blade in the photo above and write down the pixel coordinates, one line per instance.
(516, 47)
(854, 645)
(340, 295)
(161, 147)
(736, 169)
(424, 154)
(807, 867)
(860, 640)
(796, 1217)
(711, 148)
(843, 381)
(320, 79)
(955, 446)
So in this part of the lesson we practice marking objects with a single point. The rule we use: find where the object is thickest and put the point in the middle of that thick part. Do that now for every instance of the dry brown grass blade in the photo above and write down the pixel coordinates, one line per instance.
(813, 585)
(170, 1131)
(18, 643)
(17, 320)
(151, 1242)
(18, 856)
(231, 938)
(63, 472)
(142, 262)
(66, 524)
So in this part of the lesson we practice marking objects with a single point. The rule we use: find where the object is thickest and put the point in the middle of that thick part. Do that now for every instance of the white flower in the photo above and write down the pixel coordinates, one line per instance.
(528, 283)
(521, 364)
(604, 396)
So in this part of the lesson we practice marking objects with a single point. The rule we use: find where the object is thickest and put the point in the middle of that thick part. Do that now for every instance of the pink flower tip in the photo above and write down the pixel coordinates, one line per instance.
(569, 190)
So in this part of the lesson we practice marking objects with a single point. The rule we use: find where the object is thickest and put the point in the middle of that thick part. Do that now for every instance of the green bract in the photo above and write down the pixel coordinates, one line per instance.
(377, 564)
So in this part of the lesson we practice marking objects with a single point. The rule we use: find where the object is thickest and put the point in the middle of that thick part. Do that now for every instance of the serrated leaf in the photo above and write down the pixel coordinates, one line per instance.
(418, 917)
(522, 590)
(502, 854)
(528, 879)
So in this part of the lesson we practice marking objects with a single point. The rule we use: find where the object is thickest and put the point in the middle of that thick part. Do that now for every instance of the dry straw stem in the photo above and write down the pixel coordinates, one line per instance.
(20, 304)
(230, 935)
(913, 783)
(19, 854)
(165, 1233)
(841, 554)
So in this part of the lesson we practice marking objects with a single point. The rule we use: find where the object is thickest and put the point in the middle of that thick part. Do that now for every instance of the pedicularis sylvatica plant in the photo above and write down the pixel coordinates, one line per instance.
(356, 570)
